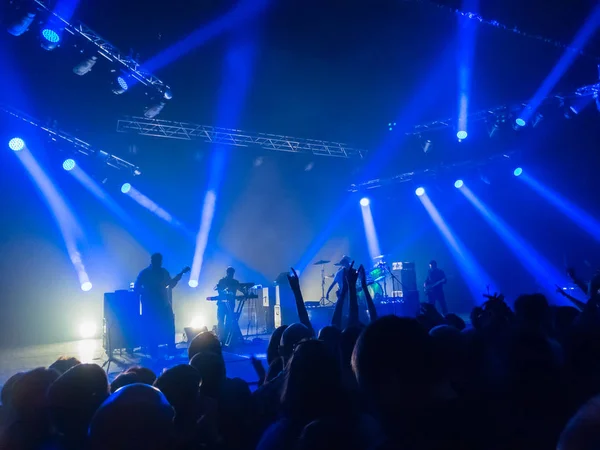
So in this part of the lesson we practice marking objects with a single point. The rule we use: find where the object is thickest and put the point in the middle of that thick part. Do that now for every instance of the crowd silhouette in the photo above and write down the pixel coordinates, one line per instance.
(526, 377)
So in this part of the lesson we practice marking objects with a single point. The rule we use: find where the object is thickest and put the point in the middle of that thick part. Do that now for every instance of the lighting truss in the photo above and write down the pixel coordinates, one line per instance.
(77, 144)
(108, 50)
(438, 125)
(419, 175)
(226, 136)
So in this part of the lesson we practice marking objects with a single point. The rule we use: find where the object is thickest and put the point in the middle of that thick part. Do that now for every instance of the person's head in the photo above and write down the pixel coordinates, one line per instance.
(64, 363)
(313, 381)
(583, 430)
(142, 374)
(433, 264)
(180, 386)
(74, 398)
(123, 379)
(8, 388)
(274, 342)
(212, 371)
(344, 262)
(532, 310)
(393, 361)
(455, 321)
(136, 416)
(291, 336)
(29, 393)
(156, 260)
(230, 272)
(205, 342)
(331, 336)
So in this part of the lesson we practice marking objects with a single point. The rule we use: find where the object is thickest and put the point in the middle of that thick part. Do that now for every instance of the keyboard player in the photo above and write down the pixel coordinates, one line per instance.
(227, 287)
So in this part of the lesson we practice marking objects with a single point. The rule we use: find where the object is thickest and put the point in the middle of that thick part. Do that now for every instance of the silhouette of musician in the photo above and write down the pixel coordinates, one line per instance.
(227, 287)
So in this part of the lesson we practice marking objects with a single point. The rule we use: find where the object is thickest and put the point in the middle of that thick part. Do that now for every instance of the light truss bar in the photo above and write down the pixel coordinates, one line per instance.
(425, 174)
(226, 136)
(77, 144)
(108, 50)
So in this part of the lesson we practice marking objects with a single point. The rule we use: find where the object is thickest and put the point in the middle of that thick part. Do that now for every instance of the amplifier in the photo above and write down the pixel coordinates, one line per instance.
(122, 320)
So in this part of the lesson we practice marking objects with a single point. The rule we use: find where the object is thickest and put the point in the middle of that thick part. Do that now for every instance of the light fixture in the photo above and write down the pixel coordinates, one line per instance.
(420, 191)
(87, 330)
(69, 164)
(50, 38)
(86, 286)
(125, 188)
(154, 110)
(364, 201)
(16, 144)
(461, 135)
(518, 171)
(458, 184)
(85, 66)
(120, 85)
(520, 122)
(193, 283)
(23, 17)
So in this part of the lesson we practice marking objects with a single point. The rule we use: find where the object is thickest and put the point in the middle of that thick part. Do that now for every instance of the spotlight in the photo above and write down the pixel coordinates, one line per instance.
(518, 171)
(69, 164)
(193, 283)
(364, 201)
(120, 85)
(50, 39)
(16, 144)
(420, 191)
(85, 66)
(197, 322)
(461, 135)
(520, 122)
(154, 110)
(87, 330)
(167, 94)
(458, 184)
(426, 146)
(125, 188)
(86, 286)
(22, 21)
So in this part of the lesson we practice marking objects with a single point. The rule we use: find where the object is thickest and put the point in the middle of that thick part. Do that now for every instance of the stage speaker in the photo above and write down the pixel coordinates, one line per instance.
(408, 277)
(284, 298)
(121, 320)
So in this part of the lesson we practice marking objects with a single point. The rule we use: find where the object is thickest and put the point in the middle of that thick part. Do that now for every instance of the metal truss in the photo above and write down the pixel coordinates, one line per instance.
(424, 174)
(108, 50)
(77, 144)
(226, 136)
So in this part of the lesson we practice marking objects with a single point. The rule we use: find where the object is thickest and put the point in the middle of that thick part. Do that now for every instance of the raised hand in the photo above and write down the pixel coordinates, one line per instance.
(294, 280)
(351, 275)
(362, 275)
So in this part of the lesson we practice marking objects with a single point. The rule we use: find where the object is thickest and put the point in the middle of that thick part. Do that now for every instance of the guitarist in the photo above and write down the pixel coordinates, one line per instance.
(338, 279)
(434, 290)
(154, 285)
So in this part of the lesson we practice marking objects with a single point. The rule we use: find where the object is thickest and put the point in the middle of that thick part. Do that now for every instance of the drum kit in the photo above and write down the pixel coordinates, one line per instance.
(377, 280)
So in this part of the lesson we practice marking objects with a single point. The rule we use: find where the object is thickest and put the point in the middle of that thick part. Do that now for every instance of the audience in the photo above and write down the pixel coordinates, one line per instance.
(520, 378)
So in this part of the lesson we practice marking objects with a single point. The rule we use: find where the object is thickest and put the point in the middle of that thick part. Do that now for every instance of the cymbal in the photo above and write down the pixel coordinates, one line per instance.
(379, 257)
(330, 276)
(321, 262)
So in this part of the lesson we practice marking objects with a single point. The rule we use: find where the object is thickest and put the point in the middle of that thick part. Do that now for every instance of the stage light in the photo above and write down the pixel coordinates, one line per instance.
(197, 322)
(69, 164)
(154, 110)
(461, 135)
(458, 184)
(86, 286)
(167, 94)
(85, 66)
(518, 171)
(364, 201)
(22, 22)
(87, 330)
(120, 85)
(520, 122)
(16, 144)
(193, 283)
(125, 188)
(420, 191)
(50, 39)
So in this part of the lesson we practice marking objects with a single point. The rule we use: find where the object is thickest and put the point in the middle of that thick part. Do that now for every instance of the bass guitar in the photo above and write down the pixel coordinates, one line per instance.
(429, 288)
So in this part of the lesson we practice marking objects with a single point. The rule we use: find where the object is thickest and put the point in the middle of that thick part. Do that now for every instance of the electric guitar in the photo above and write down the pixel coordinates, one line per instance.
(177, 277)
(429, 288)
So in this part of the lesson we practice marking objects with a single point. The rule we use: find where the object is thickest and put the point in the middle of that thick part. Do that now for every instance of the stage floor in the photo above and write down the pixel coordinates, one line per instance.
(90, 351)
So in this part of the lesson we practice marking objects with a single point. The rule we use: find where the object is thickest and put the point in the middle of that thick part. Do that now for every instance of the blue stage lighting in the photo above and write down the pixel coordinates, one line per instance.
(50, 35)
(420, 191)
(520, 122)
(16, 144)
(193, 283)
(86, 286)
(461, 135)
(122, 83)
(125, 188)
(518, 171)
(458, 184)
(364, 201)
(69, 164)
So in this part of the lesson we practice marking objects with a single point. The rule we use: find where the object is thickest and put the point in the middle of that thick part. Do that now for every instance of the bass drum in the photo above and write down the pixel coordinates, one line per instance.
(376, 292)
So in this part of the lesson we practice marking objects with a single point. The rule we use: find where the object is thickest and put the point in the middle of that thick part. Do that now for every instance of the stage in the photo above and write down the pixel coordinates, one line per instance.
(22, 359)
